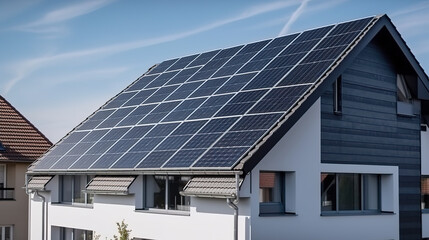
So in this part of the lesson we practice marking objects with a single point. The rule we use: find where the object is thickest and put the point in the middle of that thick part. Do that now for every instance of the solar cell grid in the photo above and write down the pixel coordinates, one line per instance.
(136, 116)
(161, 79)
(182, 62)
(160, 94)
(235, 83)
(210, 107)
(119, 100)
(184, 90)
(163, 66)
(139, 97)
(203, 58)
(182, 76)
(209, 87)
(141, 82)
(204, 110)
(155, 159)
(116, 117)
(183, 158)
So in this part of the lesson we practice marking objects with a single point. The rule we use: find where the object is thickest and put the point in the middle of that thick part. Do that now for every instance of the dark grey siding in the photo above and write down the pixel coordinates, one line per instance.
(370, 132)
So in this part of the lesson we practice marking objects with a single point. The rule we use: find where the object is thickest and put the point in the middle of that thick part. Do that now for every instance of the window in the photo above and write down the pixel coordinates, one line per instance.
(163, 192)
(338, 95)
(403, 92)
(6, 233)
(342, 192)
(5, 193)
(425, 193)
(75, 234)
(2, 176)
(72, 189)
(271, 192)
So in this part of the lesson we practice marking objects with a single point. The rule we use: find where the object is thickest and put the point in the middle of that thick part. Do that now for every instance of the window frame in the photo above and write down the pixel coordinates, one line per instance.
(338, 96)
(424, 208)
(88, 197)
(363, 198)
(167, 194)
(274, 208)
(3, 231)
(63, 232)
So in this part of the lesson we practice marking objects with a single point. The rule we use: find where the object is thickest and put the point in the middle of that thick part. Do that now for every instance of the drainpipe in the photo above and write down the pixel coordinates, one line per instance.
(43, 213)
(233, 203)
(29, 207)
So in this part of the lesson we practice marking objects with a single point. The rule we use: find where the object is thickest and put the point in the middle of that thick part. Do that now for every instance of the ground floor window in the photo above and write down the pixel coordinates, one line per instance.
(342, 192)
(75, 234)
(271, 192)
(6, 233)
(425, 192)
(163, 192)
(72, 189)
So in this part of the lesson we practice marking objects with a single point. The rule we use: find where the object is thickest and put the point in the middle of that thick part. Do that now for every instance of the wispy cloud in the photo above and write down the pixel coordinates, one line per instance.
(63, 14)
(24, 68)
(295, 15)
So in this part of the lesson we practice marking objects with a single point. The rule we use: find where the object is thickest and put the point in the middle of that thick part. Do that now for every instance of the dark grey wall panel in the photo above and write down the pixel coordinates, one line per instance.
(370, 132)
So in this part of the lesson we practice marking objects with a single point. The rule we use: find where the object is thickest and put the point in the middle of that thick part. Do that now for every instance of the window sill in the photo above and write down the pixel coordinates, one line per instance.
(277, 214)
(164, 211)
(78, 205)
(355, 213)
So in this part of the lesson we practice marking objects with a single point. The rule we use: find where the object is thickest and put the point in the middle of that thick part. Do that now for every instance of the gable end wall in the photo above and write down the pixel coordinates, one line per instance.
(370, 132)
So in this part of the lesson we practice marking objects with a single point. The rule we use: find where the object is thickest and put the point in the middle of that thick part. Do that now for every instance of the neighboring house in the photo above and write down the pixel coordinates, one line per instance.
(20, 145)
(316, 135)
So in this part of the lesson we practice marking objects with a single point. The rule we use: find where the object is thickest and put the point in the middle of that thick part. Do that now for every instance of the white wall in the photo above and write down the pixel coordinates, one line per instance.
(299, 151)
(425, 171)
(208, 218)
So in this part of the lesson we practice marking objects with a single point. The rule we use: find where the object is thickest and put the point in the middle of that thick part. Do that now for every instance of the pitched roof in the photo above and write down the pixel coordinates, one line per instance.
(21, 140)
(220, 110)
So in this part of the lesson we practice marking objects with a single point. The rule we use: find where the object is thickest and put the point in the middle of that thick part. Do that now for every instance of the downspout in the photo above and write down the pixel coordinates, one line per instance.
(233, 203)
(29, 208)
(43, 213)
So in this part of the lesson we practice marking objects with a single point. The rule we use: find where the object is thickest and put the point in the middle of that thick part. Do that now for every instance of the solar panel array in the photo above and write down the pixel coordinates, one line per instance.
(202, 111)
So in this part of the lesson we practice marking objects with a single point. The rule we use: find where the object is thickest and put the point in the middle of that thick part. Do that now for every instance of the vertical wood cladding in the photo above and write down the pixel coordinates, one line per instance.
(369, 131)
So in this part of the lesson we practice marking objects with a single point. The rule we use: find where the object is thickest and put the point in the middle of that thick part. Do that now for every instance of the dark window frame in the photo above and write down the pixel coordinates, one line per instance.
(363, 198)
(270, 208)
(338, 96)
(88, 197)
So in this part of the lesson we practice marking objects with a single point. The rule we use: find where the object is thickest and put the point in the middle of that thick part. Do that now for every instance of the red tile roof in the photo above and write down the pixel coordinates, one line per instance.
(21, 139)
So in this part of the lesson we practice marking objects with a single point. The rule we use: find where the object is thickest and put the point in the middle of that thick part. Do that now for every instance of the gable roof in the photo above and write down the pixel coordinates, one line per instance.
(21, 140)
(221, 110)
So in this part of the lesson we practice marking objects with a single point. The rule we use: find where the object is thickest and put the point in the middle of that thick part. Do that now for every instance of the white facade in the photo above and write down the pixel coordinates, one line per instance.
(425, 171)
(297, 153)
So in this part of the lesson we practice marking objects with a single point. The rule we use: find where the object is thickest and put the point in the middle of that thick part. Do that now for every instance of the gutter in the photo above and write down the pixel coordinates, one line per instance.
(233, 203)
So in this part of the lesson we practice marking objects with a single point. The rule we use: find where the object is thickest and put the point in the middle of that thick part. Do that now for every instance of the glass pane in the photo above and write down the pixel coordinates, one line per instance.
(371, 192)
(425, 192)
(270, 187)
(89, 196)
(175, 200)
(8, 233)
(79, 185)
(2, 175)
(349, 192)
(155, 192)
(67, 189)
(328, 188)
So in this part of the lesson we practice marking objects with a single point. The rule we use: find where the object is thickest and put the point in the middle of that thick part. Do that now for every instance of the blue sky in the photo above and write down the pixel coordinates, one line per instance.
(61, 60)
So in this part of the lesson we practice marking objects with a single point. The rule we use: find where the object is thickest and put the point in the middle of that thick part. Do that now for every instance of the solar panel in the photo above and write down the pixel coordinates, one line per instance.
(205, 110)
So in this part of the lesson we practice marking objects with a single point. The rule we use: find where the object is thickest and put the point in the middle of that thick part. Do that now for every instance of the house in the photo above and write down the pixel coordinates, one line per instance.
(320, 134)
(20, 144)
